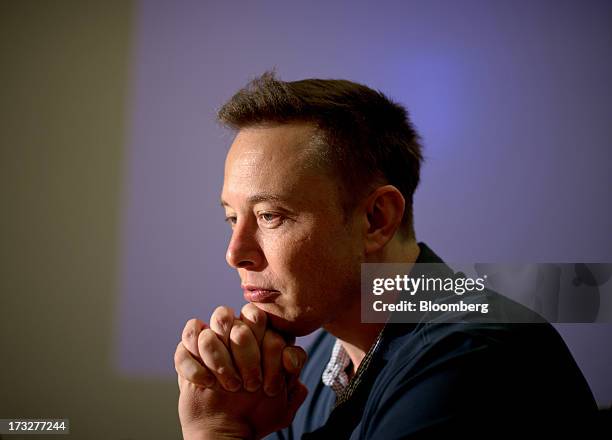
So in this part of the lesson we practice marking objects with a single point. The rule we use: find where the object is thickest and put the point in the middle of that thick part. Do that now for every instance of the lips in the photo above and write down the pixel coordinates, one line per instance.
(259, 294)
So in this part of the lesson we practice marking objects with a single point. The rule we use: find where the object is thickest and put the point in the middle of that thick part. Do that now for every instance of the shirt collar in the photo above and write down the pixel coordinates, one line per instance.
(335, 376)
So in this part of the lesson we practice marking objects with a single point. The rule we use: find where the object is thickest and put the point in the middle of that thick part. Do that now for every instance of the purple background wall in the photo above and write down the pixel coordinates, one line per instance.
(513, 100)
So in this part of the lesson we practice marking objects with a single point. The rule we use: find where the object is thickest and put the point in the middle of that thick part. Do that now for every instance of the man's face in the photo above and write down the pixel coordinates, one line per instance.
(297, 257)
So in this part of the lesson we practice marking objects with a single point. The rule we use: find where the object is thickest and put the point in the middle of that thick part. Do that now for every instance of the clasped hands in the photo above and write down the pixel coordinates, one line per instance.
(237, 377)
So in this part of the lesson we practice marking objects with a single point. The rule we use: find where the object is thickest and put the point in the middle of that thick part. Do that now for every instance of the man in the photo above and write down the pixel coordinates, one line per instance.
(320, 179)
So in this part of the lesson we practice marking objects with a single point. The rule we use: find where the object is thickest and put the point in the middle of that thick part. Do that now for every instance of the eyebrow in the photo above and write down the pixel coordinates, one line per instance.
(258, 198)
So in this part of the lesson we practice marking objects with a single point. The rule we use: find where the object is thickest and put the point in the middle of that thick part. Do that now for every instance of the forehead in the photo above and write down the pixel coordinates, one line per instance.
(279, 160)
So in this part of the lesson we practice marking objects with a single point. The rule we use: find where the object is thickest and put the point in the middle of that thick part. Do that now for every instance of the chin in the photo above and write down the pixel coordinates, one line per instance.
(292, 324)
(295, 328)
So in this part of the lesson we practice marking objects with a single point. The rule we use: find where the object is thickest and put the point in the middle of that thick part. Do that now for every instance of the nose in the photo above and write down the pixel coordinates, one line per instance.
(243, 251)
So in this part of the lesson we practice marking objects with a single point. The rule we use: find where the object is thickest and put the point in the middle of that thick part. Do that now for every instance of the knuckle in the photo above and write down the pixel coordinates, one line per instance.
(190, 372)
(224, 312)
(178, 355)
(184, 370)
(207, 341)
(189, 334)
(192, 328)
(253, 313)
(223, 318)
(224, 371)
(273, 341)
(247, 309)
(241, 335)
(192, 322)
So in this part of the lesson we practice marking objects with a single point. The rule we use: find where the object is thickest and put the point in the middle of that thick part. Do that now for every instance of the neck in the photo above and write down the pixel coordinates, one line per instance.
(355, 336)
(356, 343)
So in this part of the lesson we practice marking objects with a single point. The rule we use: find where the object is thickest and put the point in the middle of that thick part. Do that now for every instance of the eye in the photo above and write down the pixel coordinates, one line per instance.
(231, 219)
(270, 219)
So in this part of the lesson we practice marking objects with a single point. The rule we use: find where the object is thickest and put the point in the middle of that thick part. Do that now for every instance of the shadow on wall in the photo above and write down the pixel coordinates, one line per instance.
(64, 75)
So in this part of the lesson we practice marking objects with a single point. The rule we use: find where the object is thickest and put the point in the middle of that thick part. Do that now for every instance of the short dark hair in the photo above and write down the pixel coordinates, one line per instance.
(368, 139)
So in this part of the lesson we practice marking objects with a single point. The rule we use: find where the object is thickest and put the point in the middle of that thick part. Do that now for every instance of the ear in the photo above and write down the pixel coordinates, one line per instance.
(384, 212)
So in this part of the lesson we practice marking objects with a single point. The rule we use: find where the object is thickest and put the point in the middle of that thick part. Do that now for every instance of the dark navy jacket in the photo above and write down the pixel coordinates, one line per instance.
(471, 380)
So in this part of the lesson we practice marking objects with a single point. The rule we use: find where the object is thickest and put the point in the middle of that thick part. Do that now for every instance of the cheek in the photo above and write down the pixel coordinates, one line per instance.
(299, 256)
(288, 257)
(322, 263)
(296, 265)
(321, 258)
